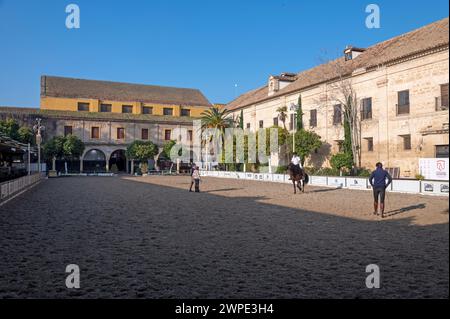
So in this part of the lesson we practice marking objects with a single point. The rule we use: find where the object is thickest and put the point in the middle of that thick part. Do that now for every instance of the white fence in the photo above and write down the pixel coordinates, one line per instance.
(398, 185)
(10, 188)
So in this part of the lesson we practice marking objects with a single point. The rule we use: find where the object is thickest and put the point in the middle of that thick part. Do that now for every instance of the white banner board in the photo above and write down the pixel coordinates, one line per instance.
(357, 183)
(434, 168)
(432, 187)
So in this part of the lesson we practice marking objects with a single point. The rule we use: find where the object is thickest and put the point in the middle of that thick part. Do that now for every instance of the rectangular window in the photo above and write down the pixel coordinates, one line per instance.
(167, 135)
(340, 145)
(189, 136)
(403, 102)
(442, 101)
(261, 124)
(168, 111)
(366, 109)
(95, 132)
(185, 112)
(442, 151)
(120, 133)
(275, 121)
(83, 107)
(248, 125)
(337, 114)
(369, 144)
(127, 109)
(406, 142)
(313, 118)
(67, 130)
(105, 108)
(147, 110)
(144, 134)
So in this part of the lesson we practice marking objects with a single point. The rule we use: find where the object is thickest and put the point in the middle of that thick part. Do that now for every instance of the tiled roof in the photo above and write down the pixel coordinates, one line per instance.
(53, 86)
(95, 116)
(431, 36)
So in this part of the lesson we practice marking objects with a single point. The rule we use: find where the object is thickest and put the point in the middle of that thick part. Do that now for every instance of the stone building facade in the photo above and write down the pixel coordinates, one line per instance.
(402, 90)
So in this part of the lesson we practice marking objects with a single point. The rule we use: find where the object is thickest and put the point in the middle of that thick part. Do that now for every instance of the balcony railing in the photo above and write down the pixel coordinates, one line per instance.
(441, 104)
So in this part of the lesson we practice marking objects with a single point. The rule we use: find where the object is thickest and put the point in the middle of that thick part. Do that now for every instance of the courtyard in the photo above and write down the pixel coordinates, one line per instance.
(148, 237)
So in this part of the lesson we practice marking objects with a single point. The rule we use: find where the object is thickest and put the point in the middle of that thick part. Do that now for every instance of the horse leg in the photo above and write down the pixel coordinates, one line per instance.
(299, 185)
(293, 183)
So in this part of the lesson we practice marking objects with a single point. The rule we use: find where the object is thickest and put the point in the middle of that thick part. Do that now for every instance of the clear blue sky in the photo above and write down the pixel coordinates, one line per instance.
(207, 44)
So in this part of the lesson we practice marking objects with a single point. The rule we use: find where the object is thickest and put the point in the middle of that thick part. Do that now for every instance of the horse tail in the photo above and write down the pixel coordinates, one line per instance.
(306, 179)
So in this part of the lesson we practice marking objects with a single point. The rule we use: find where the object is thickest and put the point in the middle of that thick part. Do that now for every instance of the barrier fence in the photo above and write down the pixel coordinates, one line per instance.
(13, 187)
(425, 187)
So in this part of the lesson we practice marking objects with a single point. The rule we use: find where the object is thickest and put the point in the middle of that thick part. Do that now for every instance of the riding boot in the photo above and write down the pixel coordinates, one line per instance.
(382, 209)
(375, 208)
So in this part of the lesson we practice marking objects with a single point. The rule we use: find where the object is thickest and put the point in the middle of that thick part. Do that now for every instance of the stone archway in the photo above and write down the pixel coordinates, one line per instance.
(94, 161)
(119, 159)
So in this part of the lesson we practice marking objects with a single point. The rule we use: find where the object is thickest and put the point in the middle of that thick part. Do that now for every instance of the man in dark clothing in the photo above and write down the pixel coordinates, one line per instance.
(192, 179)
(378, 182)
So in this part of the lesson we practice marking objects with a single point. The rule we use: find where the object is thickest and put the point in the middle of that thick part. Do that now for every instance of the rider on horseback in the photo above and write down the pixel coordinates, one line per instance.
(296, 165)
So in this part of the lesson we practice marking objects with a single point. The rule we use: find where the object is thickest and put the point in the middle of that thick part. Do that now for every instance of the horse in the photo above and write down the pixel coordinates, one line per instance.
(299, 179)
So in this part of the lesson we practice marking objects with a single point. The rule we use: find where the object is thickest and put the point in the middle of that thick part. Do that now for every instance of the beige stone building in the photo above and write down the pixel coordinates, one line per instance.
(402, 90)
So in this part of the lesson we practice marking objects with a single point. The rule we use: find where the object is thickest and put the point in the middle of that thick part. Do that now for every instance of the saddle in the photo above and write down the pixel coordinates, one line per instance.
(295, 170)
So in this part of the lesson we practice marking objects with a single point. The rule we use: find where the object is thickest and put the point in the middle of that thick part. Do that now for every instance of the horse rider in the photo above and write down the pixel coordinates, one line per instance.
(296, 164)
(378, 182)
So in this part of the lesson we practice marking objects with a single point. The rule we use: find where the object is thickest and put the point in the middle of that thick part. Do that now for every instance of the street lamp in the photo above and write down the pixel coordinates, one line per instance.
(38, 128)
(294, 108)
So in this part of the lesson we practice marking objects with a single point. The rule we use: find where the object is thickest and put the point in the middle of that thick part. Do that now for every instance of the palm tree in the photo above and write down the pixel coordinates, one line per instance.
(282, 115)
(219, 120)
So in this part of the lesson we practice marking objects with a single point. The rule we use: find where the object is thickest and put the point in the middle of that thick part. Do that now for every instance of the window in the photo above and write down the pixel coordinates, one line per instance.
(369, 144)
(167, 135)
(105, 108)
(442, 151)
(144, 134)
(120, 133)
(67, 130)
(83, 107)
(340, 145)
(366, 109)
(261, 124)
(127, 108)
(275, 121)
(337, 114)
(147, 110)
(248, 125)
(403, 102)
(185, 112)
(313, 118)
(442, 101)
(406, 142)
(168, 111)
(95, 132)
(189, 136)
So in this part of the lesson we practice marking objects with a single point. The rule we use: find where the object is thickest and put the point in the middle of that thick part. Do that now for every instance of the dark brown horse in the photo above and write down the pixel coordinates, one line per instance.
(298, 177)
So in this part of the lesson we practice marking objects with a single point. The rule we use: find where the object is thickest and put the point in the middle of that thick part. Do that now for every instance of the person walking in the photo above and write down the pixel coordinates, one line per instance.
(196, 178)
(378, 182)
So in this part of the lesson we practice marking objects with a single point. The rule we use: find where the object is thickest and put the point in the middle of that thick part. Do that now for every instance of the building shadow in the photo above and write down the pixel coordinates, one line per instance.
(135, 239)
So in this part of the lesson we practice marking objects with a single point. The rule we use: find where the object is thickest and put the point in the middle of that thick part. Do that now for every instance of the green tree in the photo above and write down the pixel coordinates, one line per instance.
(306, 142)
(26, 135)
(299, 124)
(241, 120)
(54, 148)
(167, 147)
(72, 147)
(341, 160)
(142, 150)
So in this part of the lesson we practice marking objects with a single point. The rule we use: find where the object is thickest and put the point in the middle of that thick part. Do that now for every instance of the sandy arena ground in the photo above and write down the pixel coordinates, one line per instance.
(148, 237)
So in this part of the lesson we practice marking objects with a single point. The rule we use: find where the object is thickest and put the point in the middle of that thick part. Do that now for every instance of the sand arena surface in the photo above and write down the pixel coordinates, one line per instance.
(148, 237)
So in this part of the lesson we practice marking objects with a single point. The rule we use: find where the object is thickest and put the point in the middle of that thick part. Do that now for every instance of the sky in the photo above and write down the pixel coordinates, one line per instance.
(223, 48)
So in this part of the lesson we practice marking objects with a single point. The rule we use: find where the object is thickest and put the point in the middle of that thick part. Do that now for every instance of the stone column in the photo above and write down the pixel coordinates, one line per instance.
(132, 167)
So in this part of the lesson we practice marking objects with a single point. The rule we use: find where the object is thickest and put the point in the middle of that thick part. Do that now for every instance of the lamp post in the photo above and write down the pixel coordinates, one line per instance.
(294, 108)
(38, 128)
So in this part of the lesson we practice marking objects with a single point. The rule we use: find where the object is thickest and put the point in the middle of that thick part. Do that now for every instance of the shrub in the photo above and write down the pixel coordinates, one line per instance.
(419, 177)
(281, 169)
(341, 160)
(364, 172)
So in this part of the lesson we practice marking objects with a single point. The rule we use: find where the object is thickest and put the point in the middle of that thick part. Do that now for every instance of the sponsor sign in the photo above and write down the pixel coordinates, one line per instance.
(434, 168)
(435, 188)
(356, 183)
(406, 186)
(318, 180)
(336, 181)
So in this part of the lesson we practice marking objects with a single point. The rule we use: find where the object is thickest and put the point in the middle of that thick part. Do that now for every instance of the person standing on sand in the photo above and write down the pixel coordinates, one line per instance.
(378, 182)
(196, 178)
(192, 179)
